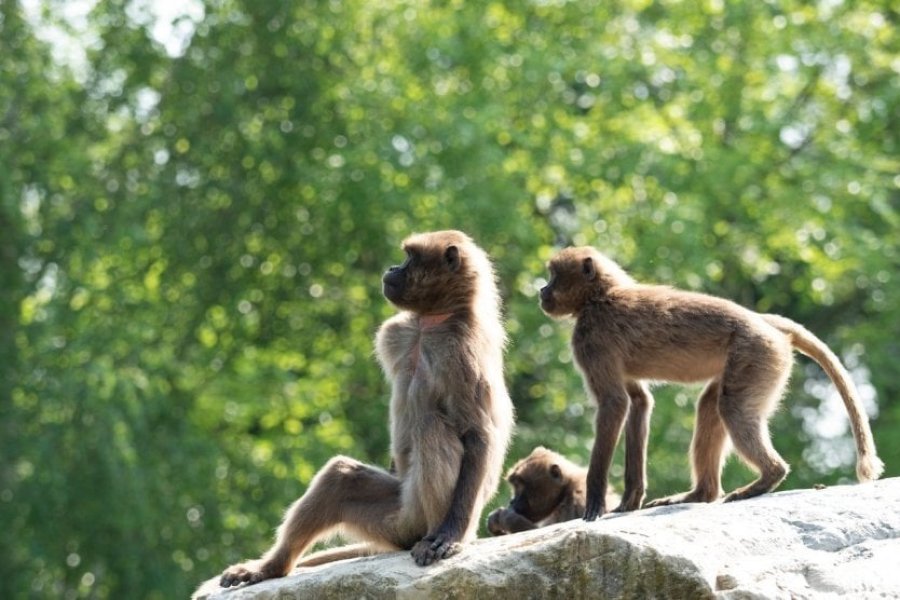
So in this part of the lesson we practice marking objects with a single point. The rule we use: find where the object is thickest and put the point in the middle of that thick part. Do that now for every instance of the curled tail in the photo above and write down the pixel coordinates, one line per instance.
(868, 465)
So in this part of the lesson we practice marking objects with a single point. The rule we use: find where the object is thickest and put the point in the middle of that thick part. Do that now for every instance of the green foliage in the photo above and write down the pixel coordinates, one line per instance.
(192, 243)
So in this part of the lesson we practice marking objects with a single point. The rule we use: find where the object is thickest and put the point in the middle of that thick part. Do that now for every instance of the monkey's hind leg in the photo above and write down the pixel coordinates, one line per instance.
(708, 449)
(345, 492)
(749, 395)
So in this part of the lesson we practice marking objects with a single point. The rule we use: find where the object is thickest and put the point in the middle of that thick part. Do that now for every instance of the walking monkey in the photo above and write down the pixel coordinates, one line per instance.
(626, 333)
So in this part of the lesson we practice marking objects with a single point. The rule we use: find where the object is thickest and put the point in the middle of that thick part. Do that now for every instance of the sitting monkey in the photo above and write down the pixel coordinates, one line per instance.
(547, 489)
(450, 421)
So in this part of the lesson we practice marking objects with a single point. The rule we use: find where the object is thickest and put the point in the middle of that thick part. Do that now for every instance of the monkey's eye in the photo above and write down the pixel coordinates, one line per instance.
(411, 256)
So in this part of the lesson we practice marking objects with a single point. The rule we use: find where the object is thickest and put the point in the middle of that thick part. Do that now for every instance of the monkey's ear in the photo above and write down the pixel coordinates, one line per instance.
(555, 472)
(451, 257)
(587, 268)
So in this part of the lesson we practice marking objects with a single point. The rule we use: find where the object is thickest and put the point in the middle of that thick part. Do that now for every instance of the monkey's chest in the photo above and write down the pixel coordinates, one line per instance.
(422, 384)
(421, 369)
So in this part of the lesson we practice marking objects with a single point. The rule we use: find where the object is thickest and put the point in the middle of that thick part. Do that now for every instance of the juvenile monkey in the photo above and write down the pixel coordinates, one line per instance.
(450, 421)
(627, 332)
(547, 489)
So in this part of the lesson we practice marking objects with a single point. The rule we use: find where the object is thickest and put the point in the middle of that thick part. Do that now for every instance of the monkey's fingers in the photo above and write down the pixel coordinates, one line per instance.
(432, 548)
(593, 509)
(493, 523)
(239, 574)
(422, 553)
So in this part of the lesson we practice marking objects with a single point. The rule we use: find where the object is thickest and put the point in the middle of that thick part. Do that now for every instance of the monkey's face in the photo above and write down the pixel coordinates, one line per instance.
(572, 274)
(538, 488)
(433, 279)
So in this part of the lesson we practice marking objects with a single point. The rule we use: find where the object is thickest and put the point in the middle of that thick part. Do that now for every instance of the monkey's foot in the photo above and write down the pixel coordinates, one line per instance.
(249, 572)
(743, 493)
(767, 482)
(685, 498)
(432, 548)
(630, 502)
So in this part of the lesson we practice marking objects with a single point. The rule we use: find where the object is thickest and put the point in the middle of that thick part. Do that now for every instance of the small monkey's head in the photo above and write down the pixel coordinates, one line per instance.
(538, 483)
(441, 273)
(578, 275)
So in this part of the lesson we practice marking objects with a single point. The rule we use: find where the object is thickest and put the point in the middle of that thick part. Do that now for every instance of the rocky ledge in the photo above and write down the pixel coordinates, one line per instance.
(838, 541)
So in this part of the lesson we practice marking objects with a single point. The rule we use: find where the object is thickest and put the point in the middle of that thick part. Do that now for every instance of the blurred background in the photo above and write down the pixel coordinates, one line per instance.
(198, 198)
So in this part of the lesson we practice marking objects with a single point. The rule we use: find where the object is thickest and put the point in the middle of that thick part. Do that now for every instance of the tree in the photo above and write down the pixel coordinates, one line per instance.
(193, 235)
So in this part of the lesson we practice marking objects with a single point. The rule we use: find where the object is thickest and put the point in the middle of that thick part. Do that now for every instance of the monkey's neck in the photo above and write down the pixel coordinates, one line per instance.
(429, 321)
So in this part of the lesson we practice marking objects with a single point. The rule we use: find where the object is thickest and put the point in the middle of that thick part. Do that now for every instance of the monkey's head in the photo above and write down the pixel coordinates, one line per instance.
(578, 275)
(441, 273)
(539, 484)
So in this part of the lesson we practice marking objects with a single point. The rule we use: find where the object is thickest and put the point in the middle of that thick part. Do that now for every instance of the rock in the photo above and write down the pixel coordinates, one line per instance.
(838, 541)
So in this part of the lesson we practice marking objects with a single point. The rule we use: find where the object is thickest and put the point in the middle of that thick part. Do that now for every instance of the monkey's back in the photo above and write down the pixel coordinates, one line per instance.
(674, 335)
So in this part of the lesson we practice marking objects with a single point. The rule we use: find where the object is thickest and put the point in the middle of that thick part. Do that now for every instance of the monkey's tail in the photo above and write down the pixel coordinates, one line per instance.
(868, 465)
(340, 553)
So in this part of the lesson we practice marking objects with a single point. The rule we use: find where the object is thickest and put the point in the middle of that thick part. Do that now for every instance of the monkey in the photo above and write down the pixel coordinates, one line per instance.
(450, 421)
(547, 489)
(627, 333)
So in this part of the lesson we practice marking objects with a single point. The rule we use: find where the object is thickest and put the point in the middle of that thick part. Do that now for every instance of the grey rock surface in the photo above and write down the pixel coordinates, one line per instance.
(842, 541)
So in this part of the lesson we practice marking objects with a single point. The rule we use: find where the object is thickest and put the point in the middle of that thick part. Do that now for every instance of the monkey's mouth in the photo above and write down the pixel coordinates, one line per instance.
(391, 291)
(547, 304)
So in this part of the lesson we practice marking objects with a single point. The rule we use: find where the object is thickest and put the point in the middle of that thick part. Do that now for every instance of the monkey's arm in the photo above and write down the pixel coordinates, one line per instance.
(444, 542)
(506, 520)
(612, 406)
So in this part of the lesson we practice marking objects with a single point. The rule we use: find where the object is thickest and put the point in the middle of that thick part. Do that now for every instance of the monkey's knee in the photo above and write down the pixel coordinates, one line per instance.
(343, 465)
(339, 471)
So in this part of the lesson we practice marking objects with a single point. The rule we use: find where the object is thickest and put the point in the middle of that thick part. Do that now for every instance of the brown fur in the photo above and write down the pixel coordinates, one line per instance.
(450, 419)
(626, 332)
(547, 489)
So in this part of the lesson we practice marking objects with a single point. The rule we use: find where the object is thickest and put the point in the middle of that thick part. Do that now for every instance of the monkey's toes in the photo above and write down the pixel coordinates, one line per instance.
(235, 575)
(626, 507)
(630, 503)
(666, 501)
(740, 494)
(244, 573)
(700, 495)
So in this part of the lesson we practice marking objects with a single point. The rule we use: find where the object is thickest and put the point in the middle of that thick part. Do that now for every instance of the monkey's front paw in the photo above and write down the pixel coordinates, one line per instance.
(248, 572)
(593, 509)
(494, 521)
(432, 548)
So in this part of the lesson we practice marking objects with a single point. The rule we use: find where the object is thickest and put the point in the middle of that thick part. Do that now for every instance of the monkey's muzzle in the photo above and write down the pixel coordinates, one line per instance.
(547, 303)
(393, 283)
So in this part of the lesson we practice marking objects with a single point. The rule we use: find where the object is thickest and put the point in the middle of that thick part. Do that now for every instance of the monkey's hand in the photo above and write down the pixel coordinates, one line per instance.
(495, 522)
(249, 572)
(435, 546)
(506, 520)
(595, 506)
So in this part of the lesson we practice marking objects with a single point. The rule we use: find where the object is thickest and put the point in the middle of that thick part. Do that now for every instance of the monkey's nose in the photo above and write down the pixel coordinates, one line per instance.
(545, 293)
